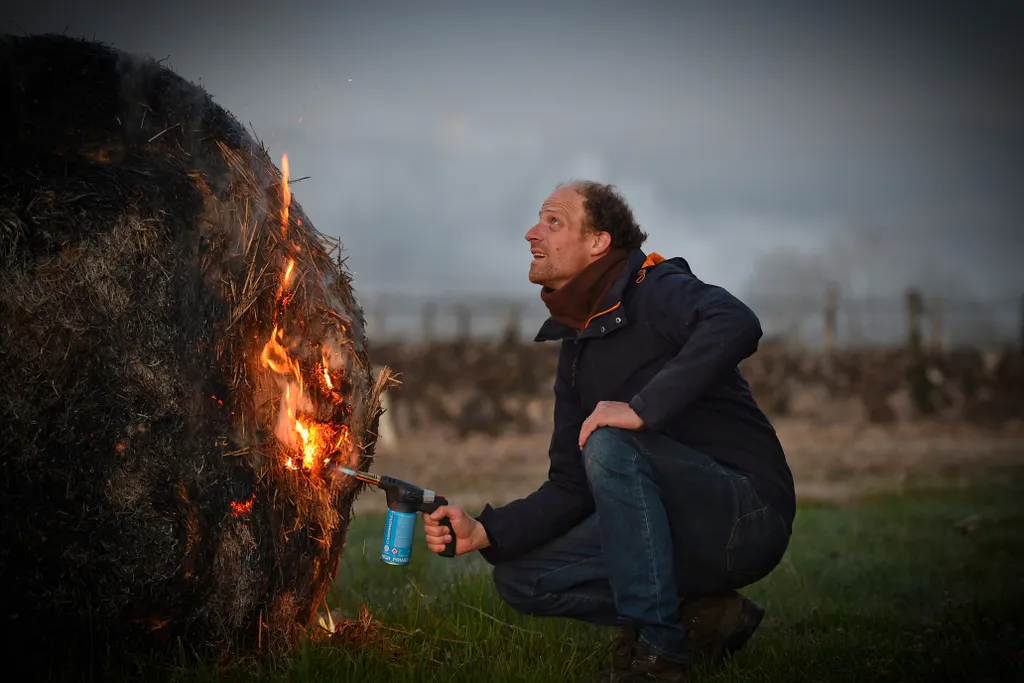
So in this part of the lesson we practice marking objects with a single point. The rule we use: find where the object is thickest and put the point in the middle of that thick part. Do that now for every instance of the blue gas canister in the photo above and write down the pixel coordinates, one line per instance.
(399, 530)
(405, 500)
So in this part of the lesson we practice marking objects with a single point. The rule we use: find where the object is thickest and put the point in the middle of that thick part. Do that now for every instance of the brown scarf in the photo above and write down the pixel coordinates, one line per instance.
(577, 301)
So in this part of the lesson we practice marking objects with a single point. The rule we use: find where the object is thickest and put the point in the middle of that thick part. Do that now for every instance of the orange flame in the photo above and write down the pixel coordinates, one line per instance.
(311, 442)
(325, 365)
(287, 194)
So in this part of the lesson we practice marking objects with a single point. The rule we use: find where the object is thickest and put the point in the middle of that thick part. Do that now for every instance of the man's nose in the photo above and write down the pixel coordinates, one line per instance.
(532, 235)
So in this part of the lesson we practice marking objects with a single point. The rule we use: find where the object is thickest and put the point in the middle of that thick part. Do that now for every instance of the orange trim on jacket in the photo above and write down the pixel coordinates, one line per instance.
(597, 315)
(654, 259)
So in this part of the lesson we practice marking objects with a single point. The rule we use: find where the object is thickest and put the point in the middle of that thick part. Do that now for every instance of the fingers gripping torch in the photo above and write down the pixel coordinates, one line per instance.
(404, 501)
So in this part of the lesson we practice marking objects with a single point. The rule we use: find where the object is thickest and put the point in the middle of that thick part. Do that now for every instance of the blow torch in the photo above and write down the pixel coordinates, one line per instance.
(404, 501)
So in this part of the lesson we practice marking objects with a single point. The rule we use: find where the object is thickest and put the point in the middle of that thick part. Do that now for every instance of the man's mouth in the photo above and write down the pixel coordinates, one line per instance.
(537, 255)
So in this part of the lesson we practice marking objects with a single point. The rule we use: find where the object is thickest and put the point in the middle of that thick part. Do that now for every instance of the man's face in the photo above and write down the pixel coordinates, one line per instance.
(560, 245)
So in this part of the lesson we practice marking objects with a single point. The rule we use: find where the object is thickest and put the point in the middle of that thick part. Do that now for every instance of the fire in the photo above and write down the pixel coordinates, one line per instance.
(287, 193)
(275, 356)
(238, 508)
(325, 365)
(306, 440)
(315, 441)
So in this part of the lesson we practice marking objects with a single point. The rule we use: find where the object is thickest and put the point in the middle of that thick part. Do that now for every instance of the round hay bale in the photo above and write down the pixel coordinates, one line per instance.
(183, 362)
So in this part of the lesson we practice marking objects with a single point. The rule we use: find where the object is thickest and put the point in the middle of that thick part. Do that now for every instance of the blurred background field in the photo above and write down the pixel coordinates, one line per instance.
(934, 395)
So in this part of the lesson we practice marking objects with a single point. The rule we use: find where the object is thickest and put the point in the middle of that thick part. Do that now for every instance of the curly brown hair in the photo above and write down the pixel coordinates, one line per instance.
(607, 211)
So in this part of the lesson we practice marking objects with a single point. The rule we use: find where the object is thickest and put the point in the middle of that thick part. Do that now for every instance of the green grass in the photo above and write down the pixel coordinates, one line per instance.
(891, 589)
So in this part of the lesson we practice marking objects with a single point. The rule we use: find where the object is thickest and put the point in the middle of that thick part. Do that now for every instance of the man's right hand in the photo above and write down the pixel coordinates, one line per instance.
(470, 534)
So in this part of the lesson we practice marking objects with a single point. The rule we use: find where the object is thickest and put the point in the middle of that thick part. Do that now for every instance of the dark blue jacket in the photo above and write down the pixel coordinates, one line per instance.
(669, 345)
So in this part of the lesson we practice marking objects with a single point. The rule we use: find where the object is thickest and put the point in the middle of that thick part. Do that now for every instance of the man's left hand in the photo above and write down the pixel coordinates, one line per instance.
(610, 414)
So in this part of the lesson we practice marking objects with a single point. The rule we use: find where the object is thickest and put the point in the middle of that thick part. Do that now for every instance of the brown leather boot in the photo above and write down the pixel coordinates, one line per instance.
(633, 662)
(644, 665)
(623, 648)
(719, 625)
(622, 652)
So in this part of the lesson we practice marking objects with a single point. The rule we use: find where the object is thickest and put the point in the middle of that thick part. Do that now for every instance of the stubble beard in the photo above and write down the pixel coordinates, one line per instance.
(536, 274)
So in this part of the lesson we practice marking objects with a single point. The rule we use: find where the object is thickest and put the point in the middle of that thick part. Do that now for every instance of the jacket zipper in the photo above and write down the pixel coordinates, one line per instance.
(575, 358)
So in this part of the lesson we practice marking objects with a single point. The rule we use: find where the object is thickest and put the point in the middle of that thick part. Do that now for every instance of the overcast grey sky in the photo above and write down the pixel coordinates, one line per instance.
(874, 144)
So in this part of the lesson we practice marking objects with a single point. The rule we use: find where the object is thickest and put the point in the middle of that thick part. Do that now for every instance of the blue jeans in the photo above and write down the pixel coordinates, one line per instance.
(670, 524)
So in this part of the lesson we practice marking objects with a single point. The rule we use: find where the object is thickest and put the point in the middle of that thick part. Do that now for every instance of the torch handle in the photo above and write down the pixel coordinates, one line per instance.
(441, 501)
(449, 548)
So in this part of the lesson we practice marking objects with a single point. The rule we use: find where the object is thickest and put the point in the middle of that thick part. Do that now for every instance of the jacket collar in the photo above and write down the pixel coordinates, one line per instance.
(611, 314)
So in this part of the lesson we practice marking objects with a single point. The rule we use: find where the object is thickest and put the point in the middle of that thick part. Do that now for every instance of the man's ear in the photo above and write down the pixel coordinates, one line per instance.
(600, 242)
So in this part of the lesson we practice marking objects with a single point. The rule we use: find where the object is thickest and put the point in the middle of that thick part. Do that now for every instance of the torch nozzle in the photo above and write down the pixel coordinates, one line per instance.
(362, 476)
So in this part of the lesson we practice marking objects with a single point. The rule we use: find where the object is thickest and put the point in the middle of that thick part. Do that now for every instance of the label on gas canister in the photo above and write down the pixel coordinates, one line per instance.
(399, 530)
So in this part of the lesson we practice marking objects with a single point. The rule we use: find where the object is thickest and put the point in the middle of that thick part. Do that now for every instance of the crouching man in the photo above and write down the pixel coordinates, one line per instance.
(668, 489)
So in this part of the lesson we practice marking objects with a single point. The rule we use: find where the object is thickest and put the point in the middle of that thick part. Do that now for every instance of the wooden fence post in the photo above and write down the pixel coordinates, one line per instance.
(917, 373)
(1022, 323)
(513, 325)
(829, 328)
(380, 314)
(429, 314)
(463, 323)
(936, 338)
(914, 309)
(829, 333)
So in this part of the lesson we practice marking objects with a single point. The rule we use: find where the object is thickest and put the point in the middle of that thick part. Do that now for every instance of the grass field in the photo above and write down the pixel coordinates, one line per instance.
(920, 586)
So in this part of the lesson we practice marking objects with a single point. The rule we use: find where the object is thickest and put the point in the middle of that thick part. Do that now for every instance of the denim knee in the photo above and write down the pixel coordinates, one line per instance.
(603, 452)
(513, 585)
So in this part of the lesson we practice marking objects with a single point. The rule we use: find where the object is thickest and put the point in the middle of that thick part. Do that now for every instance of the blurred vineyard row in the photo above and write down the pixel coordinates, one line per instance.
(497, 388)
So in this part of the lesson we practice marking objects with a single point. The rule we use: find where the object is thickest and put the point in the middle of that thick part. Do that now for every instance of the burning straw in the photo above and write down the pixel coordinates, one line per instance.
(184, 360)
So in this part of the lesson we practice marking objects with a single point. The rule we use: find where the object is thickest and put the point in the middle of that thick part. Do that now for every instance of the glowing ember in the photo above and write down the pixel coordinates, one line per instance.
(239, 508)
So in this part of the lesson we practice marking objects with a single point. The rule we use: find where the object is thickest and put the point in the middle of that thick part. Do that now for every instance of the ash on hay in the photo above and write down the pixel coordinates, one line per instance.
(183, 358)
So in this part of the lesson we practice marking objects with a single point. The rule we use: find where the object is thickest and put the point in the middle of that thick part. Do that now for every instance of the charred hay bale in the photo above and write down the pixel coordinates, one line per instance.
(182, 354)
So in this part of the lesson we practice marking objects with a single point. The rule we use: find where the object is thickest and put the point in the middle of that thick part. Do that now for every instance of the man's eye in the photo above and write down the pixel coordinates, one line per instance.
(554, 221)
